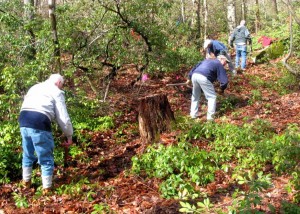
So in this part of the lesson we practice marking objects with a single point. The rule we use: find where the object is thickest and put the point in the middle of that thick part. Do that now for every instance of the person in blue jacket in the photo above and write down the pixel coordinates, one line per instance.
(202, 76)
(215, 48)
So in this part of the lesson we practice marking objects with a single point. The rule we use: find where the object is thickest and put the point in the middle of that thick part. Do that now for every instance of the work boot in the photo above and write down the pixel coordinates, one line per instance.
(47, 191)
(26, 184)
(234, 73)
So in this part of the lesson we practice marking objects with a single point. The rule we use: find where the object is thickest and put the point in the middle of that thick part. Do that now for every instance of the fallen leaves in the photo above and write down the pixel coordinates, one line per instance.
(109, 160)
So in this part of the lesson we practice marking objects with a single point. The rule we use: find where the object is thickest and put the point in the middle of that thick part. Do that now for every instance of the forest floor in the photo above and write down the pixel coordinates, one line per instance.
(110, 161)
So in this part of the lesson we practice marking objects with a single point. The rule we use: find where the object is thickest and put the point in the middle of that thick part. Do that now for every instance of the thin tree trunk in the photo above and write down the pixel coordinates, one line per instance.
(284, 61)
(28, 18)
(244, 10)
(205, 10)
(231, 15)
(194, 9)
(292, 11)
(199, 34)
(257, 16)
(265, 11)
(274, 9)
(182, 11)
(57, 63)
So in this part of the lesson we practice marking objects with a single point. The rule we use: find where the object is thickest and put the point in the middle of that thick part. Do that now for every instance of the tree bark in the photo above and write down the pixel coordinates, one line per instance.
(182, 11)
(28, 18)
(155, 117)
(292, 11)
(274, 8)
(244, 10)
(257, 17)
(294, 71)
(57, 63)
(199, 36)
(205, 18)
(231, 15)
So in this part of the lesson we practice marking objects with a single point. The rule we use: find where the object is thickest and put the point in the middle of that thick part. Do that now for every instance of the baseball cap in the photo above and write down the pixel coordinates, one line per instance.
(223, 57)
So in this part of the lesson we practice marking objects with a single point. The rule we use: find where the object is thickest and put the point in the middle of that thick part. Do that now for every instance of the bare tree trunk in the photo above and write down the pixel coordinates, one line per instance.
(265, 12)
(244, 10)
(194, 9)
(199, 36)
(57, 63)
(231, 15)
(205, 10)
(284, 61)
(182, 11)
(292, 11)
(257, 17)
(28, 17)
(274, 9)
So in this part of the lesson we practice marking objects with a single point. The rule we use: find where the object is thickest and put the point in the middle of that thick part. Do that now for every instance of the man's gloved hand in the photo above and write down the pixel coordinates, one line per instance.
(231, 45)
(188, 82)
(220, 91)
(67, 143)
(223, 52)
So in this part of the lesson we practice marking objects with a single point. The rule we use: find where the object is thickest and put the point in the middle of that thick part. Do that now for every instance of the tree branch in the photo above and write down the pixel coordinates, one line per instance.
(284, 61)
(15, 18)
(295, 17)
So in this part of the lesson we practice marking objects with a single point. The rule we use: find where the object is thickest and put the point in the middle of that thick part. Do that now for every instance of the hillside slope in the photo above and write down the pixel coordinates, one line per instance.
(109, 159)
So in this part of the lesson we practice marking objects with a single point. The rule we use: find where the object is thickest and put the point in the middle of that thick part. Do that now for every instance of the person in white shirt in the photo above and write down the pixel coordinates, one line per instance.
(43, 103)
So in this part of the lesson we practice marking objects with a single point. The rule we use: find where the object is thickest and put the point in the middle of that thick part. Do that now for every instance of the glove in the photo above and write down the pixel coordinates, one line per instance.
(188, 82)
(220, 91)
(67, 143)
(231, 45)
(223, 52)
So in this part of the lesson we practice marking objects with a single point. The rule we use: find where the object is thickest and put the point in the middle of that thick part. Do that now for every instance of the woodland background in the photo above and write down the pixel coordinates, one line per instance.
(246, 162)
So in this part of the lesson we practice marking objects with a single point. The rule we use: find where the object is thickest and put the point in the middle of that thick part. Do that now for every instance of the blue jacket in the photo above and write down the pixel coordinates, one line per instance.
(216, 47)
(213, 70)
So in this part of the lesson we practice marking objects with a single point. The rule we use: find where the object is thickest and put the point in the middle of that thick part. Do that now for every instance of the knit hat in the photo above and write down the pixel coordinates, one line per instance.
(206, 43)
(223, 57)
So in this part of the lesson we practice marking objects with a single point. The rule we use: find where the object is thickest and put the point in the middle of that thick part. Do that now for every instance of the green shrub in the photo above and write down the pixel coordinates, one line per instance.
(288, 208)
(11, 156)
(179, 166)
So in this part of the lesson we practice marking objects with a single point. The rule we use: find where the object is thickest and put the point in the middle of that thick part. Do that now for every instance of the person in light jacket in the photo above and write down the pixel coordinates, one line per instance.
(43, 103)
(240, 37)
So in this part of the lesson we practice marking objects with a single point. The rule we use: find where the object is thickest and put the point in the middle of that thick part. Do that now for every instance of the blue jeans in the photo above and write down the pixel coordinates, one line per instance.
(42, 143)
(241, 51)
(200, 82)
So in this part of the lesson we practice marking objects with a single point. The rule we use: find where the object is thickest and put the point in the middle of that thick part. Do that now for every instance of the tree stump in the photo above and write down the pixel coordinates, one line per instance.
(155, 117)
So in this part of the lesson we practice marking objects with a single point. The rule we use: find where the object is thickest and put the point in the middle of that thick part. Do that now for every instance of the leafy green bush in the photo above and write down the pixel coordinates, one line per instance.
(20, 200)
(251, 146)
(288, 208)
(287, 155)
(10, 158)
(288, 83)
(227, 103)
(179, 166)
(101, 209)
